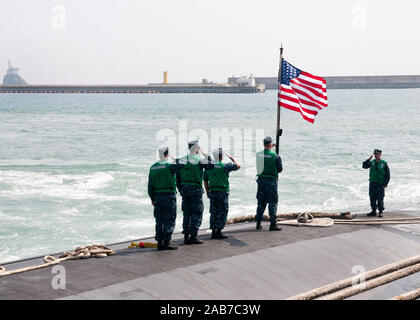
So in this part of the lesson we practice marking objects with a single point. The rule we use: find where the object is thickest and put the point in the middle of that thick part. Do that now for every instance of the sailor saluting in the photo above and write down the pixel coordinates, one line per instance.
(190, 185)
(379, 176)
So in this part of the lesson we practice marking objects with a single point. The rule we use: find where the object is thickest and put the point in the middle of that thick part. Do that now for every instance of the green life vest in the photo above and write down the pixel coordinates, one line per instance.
(266, 164)
(377, 171)
(162, 178)
(218, 179)
(191, 174)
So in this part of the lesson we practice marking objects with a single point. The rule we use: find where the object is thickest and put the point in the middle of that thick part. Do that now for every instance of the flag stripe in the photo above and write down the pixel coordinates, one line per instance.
(298, 107)
(311, 80)
(306, 116)
(323, 83)
(303, 92)
(307, 74)
(294, 98)
(309, 83)
(296, 103)
(309, 88)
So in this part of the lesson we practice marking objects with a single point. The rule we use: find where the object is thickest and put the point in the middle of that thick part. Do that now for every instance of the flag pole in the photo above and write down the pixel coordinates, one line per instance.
(279, 131)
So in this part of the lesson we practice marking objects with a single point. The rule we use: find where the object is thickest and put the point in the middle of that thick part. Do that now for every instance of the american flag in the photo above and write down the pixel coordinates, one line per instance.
(301, 91)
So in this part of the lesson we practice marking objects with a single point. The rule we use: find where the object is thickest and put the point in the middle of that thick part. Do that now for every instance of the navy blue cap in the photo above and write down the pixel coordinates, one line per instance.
(267, 140)
(163, 151)
(217, 153)
(377, 151)
(192, 144)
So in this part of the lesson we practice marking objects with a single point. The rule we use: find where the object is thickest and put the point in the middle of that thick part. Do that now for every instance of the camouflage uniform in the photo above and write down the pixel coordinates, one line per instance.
(379, 177)
(219, 207)
(192, 207)
(376, 196)
(164, 205)
(165, 215)
(192, 201)
(219, 201)
(267, 194)
(267, 188)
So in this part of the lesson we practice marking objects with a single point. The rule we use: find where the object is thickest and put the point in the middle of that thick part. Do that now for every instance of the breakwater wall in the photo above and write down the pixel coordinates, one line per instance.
(351, 82)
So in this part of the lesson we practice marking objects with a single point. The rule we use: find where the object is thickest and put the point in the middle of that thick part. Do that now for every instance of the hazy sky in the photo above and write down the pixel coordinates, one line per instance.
(134, 41)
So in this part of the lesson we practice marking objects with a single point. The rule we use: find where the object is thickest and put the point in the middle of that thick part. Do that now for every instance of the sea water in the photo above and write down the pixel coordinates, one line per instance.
(74, 168)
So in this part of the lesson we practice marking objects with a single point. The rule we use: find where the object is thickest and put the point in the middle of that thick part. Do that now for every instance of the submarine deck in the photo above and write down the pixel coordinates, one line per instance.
(250, 264)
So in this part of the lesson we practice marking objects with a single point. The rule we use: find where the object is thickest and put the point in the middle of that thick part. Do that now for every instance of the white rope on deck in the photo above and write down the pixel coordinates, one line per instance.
(373, 283)
(411, 295)
(395, 271)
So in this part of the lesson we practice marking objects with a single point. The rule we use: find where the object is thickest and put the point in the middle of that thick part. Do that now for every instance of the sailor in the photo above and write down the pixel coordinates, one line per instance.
(162, 192)
(216, 183)
(269, 165)
(379, 176)
(190, 185)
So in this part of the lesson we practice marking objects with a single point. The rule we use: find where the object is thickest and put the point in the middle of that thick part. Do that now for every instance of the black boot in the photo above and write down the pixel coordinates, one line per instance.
(372, 213)
(213, 233)
(219, 235)
(381, 214)
(167, 246)
(259, 227)
(274, 227)
(195, 240)
(159, 245)
(187, 239)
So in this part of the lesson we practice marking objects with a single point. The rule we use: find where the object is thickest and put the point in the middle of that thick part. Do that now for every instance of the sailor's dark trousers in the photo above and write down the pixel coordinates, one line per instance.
(376, 195)
(267, 194)
(192, 208)
(165, 215)
(219, 207)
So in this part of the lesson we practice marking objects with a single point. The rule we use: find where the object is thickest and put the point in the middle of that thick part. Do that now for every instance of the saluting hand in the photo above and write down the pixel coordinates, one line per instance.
(229, 156)
(203, 152)
(371, 157)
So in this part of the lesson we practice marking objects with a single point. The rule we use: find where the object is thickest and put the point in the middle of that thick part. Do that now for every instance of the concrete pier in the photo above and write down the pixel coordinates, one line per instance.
(134, 89)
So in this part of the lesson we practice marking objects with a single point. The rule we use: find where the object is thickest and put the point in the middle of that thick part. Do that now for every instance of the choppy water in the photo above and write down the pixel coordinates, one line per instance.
(73, 168)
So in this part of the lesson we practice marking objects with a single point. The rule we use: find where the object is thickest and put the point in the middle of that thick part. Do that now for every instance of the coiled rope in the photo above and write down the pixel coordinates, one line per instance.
(95, 250)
